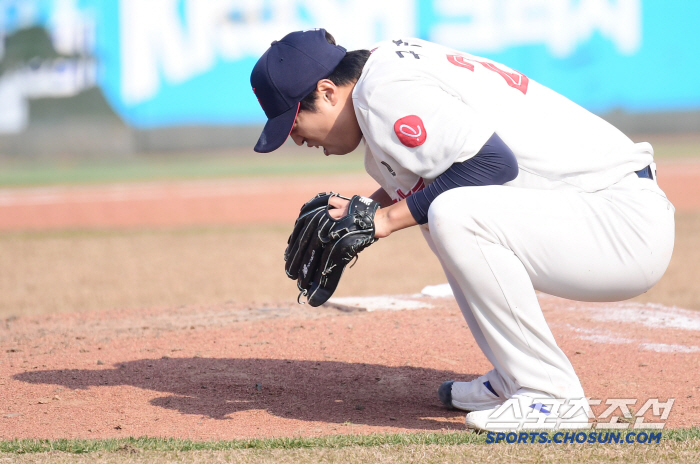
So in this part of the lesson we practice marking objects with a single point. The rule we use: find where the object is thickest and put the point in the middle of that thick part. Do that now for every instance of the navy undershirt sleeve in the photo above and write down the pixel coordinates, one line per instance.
(495, 164)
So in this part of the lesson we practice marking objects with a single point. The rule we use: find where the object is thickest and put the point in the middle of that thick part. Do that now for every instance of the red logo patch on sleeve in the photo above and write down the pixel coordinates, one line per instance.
(411, 131)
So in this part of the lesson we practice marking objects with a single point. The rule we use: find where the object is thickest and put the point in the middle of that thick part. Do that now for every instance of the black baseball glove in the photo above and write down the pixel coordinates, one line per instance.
(320, 246)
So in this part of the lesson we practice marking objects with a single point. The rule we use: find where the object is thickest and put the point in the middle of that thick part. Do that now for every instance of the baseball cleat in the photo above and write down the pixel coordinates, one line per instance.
(524, 411)
(445, 393)
(476, 395)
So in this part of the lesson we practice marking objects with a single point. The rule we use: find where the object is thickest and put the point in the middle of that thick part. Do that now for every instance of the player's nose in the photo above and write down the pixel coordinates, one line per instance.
(299, 140)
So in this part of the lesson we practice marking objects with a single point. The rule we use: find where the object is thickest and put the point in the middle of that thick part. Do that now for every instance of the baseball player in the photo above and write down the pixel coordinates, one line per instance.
(515, 188)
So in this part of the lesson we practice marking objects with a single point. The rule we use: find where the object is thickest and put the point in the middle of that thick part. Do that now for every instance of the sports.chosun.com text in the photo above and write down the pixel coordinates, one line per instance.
(573, 437)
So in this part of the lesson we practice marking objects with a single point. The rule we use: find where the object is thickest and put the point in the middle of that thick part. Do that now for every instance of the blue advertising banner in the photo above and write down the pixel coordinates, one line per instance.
(187, 62)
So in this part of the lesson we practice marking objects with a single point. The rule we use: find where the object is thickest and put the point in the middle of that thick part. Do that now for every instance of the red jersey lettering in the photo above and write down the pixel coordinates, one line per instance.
(420, 185)
(513, 78)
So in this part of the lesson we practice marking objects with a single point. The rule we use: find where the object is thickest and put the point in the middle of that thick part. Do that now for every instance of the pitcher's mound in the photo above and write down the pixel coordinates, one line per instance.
(235, 371)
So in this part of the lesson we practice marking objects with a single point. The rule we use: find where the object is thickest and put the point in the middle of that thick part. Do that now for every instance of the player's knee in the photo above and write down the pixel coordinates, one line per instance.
(448, 218)
(457, 211)
(457, 204)
(442, 211)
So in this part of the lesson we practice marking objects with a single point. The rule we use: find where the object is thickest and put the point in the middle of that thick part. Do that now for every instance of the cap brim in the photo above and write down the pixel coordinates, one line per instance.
(276, 131)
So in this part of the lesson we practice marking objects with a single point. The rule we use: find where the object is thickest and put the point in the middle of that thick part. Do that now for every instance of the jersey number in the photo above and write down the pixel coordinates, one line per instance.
(513, 78)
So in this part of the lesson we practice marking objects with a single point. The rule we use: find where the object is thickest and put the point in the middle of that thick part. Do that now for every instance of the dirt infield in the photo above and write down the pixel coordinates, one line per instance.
(232, 371)
(231, 202)
(168, 204)
(232, 365)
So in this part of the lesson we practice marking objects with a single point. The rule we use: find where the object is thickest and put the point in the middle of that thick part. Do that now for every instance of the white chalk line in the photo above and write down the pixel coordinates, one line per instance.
(380, 303)
(649, 315)
(610, 338)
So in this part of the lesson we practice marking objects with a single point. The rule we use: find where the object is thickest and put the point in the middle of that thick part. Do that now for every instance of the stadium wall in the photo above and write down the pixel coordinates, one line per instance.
(86, 77)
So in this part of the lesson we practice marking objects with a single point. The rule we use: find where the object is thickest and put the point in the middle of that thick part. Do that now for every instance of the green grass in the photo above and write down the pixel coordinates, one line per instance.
(674, 147)
(24, 173)
(174, 444)
(236, 163)
(81, 446)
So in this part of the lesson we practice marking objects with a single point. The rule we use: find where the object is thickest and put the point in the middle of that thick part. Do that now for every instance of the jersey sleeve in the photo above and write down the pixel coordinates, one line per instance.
(495, 164)
(424, 127)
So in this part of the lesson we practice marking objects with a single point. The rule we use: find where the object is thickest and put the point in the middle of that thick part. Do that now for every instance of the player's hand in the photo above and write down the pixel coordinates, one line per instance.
(338, 207)
(386, 220)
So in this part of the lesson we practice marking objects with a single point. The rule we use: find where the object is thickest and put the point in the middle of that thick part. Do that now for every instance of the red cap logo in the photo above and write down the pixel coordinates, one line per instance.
(410, 130)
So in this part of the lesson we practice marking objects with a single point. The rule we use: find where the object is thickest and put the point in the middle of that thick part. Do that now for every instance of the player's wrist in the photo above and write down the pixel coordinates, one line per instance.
(392, 218)
(382, 226)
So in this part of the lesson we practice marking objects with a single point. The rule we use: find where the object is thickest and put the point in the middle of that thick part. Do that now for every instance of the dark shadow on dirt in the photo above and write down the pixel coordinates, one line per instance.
(325, 391)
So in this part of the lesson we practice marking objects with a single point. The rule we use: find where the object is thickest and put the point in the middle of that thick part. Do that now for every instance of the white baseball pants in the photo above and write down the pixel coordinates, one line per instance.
(498, 244)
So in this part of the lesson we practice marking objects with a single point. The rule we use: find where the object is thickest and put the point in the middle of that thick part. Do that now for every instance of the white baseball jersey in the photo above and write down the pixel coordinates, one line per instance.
(423, 107)
(576, 222)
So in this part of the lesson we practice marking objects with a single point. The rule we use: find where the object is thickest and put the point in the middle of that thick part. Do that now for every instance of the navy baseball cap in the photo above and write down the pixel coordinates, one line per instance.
(286, 73)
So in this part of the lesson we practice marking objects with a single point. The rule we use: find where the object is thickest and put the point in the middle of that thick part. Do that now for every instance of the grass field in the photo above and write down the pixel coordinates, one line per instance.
(236, 163)
(674, 446)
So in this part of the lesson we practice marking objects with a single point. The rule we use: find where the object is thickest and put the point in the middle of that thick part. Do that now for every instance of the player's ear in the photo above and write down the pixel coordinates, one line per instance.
(328, 91)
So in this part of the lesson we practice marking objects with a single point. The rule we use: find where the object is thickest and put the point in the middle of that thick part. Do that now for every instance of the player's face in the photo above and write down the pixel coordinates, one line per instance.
(333, 126)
